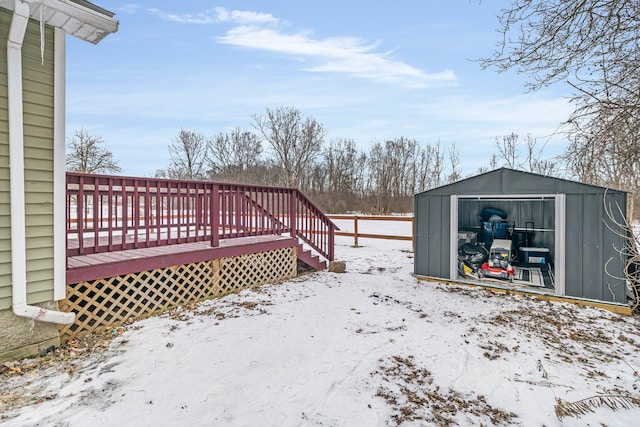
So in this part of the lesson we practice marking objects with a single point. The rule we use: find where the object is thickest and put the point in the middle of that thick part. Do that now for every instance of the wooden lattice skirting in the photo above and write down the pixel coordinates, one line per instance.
(110, 302)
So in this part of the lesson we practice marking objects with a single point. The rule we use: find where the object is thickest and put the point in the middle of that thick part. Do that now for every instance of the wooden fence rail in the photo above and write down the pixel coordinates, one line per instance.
(356, 233)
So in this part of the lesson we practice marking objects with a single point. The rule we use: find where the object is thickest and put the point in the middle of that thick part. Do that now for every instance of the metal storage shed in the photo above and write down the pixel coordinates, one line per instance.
(563, 223)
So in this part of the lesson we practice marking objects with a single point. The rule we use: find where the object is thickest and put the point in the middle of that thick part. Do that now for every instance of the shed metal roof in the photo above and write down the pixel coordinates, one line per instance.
(511, 181)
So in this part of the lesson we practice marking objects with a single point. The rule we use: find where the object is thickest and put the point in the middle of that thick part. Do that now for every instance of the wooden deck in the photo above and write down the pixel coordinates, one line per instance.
(123, 225)
(107, 264)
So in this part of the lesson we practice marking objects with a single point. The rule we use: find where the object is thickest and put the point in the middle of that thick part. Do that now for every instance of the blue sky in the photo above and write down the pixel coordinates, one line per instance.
(367, 71)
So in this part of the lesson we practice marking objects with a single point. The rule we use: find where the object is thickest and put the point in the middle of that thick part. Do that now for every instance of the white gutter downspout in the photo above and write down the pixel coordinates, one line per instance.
(16, 165)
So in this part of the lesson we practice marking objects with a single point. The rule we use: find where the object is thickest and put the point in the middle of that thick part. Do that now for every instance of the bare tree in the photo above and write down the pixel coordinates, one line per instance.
(493, 162)
(379, 178)
(581, 42)
(454, 163)
(401, 167)
(294, 140)
(534, 161)
(594, 47)
(392, 173)
(481, 170)
(89, 154)
(188, 152)
(511, 152)
(342, 171)
(316, 181)
(430, 167)
(268, 172)
(235, 156)
(508, 150)
(345, 166)
(607, 152)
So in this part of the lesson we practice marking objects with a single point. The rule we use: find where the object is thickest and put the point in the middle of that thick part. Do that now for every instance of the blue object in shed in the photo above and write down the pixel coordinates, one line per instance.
(535, 255)
(494, 230)
(500, 230)
(487, 213)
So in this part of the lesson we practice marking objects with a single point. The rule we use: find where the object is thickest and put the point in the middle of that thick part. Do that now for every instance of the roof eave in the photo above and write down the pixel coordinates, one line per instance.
(80, 18)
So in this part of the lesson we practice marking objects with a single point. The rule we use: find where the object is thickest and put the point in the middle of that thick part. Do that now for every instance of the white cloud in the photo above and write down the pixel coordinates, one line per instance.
(348, 55)
(129, 8)
(187, 18)
(245, 17)
(218, 15)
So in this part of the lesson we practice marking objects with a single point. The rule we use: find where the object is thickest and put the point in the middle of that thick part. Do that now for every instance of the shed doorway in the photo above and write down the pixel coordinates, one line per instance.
(511, 241)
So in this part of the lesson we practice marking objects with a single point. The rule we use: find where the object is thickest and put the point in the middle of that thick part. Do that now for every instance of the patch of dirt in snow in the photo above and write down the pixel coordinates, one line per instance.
(221, 308)
(250, 302)
(410, 391)
(572, 335)
(387, 299)
(24, 382)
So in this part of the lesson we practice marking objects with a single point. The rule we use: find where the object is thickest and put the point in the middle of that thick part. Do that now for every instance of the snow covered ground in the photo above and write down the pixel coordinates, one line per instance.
(369, 347)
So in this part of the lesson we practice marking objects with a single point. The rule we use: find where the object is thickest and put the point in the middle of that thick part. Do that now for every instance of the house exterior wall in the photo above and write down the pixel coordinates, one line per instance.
(590, 244)
(38, 95)
(20, 336)
(5, 199)
(38, 140)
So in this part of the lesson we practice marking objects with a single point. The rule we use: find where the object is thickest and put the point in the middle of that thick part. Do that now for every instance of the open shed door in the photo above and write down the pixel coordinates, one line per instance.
(530, 227)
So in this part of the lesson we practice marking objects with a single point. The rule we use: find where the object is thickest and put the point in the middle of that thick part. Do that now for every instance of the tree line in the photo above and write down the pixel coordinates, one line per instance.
(286, 148)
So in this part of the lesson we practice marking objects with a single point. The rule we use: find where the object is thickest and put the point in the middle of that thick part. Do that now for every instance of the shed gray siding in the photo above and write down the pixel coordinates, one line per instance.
(593, 263)
(591, 245)
(432, 235)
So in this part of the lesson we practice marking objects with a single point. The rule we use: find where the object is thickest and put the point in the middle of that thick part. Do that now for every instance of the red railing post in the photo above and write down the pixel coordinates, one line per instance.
(147, 211)
(293, 212)
(124, 223)
(80, 215)
(135, 213)
(95, 215)
(199, 209)
(214, 215)
(331, 243)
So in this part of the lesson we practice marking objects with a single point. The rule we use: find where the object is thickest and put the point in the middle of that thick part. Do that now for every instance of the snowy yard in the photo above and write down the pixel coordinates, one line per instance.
(370, 347)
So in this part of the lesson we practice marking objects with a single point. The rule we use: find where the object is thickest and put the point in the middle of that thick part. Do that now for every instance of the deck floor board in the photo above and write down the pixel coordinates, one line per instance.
(93, 266)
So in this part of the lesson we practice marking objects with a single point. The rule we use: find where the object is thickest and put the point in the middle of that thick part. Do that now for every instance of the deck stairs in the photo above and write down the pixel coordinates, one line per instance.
(310, 259)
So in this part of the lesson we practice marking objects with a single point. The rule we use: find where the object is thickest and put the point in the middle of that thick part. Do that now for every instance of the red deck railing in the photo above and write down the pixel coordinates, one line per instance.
(113, 213)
